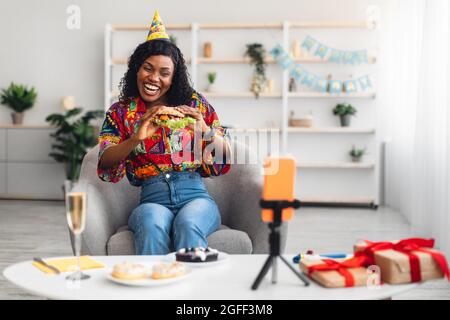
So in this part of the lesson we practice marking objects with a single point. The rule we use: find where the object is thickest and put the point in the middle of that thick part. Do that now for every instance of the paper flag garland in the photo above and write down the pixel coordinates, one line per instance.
(320, 84)
(334, 55)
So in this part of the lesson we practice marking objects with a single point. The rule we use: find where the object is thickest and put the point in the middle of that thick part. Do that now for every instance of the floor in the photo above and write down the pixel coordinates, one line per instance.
(38, 228)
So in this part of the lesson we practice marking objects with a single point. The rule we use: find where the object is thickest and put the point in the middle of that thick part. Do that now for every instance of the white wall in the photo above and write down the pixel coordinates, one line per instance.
(37, 48)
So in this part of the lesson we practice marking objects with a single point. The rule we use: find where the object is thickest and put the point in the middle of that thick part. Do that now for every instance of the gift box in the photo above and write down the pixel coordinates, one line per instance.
(404, 261)
(336, 273)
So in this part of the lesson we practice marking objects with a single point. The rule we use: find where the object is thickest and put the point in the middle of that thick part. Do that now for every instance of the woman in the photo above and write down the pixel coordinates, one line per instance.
(175, 209)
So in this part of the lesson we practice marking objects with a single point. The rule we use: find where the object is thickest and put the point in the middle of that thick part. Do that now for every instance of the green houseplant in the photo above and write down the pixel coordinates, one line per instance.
(211, 79)
(173, 39)
(256, 53)
(344, 111)
(73, 137)
(357, 154)
(19, 99)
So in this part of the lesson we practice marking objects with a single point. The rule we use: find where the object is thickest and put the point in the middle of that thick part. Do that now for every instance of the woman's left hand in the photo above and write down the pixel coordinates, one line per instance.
(194, 113)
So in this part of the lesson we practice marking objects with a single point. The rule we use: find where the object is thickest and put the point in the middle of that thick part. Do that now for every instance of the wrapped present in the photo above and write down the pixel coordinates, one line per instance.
(336, 273)
(404, 261)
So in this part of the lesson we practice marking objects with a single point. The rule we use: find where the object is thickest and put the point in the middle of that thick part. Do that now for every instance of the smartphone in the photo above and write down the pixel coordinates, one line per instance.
(279, 184)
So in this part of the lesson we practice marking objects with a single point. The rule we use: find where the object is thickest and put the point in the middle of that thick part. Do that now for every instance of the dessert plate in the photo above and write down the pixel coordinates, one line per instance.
(148, 282)
(221, 258)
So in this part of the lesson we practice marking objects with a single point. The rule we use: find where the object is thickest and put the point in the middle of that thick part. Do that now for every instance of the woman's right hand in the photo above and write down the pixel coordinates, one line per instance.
(147, 128)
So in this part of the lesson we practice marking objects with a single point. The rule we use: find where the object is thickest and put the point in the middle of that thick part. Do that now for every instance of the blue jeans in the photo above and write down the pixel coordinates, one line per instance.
(175, 211)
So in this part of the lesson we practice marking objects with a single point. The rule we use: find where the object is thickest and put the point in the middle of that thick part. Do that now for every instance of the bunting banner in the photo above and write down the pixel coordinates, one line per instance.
(329, 54)
(318, 83)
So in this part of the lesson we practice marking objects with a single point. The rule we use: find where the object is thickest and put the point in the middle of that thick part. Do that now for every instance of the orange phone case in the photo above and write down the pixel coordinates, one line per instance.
(279, 184)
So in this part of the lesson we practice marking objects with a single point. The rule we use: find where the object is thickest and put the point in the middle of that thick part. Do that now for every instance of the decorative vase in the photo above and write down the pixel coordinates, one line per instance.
(269, 85)
(211, 87)
(345, 120)
(17, 117)
(296, 49)
(292, 85)
(207, 50)
(356, 159)
(257, 84)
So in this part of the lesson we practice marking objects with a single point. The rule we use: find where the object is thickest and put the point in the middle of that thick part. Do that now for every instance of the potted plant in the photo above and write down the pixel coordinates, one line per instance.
(18, 98)
(173, 39)
(357, 154)
(256, 53)
(211, 79)
(73, 138)
(344, 111)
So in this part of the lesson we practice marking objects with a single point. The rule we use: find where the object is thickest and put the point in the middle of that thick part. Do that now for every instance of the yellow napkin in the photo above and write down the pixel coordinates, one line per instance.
(69, 264)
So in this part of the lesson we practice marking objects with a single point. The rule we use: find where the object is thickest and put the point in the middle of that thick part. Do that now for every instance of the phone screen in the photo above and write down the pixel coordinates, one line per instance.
(279, 184)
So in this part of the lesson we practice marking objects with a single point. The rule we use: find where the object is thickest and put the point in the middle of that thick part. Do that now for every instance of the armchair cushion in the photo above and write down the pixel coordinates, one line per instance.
(224, 239)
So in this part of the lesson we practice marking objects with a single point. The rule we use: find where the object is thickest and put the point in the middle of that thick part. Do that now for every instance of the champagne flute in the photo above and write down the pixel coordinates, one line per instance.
(76, 218)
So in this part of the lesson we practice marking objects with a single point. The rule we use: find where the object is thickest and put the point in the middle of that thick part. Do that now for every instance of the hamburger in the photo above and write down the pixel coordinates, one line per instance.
(172, 119)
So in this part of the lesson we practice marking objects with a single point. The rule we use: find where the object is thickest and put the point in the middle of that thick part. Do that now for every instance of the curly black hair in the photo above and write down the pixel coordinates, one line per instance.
(180, 91)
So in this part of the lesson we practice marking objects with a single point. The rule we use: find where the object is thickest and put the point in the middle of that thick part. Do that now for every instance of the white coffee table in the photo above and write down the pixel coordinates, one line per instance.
(230, 280)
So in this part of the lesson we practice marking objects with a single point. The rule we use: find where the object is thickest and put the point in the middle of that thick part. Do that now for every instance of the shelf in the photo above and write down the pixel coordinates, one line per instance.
(308, 130)
(336, 165)
(216, 26)
(313, 95)
(330, 130)
(341, 200)
(146, 27)
(244, 130)
(25, 126)
(270, 25)
(115, 94)
(202, 60)
(240, 95)
(118, 62)
(363, 24)
(366, 95)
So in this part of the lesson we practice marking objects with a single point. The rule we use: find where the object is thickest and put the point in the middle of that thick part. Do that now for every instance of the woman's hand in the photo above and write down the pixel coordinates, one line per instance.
(196, 114)
(147, 128)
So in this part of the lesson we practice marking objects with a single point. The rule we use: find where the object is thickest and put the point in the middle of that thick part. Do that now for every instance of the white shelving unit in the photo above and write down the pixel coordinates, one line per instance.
(285, 97)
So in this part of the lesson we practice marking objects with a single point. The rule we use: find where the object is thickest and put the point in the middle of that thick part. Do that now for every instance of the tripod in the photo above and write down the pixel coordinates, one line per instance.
(274, 241)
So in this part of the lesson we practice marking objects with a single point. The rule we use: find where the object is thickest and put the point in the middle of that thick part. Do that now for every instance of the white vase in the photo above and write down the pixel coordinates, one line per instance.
(211, 87)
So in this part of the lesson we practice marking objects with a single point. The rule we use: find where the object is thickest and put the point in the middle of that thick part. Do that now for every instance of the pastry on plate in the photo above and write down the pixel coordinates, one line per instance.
(129, 271)
(198, 254)
(168, 270)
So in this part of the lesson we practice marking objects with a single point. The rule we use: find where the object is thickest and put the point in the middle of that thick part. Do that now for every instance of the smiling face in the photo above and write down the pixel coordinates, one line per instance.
(154, 79)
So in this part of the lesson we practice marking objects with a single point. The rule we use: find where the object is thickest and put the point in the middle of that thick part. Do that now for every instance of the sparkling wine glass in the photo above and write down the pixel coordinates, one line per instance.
(76, 218)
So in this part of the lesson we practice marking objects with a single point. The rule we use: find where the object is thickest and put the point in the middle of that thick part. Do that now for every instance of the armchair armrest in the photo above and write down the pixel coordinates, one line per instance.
(245, 212)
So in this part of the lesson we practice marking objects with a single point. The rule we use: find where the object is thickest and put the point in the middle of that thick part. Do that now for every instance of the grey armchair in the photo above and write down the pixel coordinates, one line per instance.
(237, 194)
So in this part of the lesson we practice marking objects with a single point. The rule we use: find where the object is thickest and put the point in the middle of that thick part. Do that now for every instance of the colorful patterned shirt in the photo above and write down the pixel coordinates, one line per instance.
(162, 152)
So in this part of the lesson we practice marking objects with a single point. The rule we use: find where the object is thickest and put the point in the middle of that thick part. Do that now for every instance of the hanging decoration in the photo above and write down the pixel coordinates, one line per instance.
(329, 54)
(317, 83)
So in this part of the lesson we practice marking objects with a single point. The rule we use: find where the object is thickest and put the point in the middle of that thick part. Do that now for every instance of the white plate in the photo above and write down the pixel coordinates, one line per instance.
(148, 282)
(221, 258)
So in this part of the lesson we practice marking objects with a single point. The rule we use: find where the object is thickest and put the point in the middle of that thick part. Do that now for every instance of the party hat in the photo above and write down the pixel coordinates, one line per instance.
(157, 29)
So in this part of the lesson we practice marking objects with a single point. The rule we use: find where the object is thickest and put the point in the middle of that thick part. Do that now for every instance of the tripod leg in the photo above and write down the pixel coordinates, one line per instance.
(301, 276)
(274, 270)
(262, 273)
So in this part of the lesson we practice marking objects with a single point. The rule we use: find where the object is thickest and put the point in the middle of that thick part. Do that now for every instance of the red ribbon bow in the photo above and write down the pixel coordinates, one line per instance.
(341, 267)
(406, 246)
